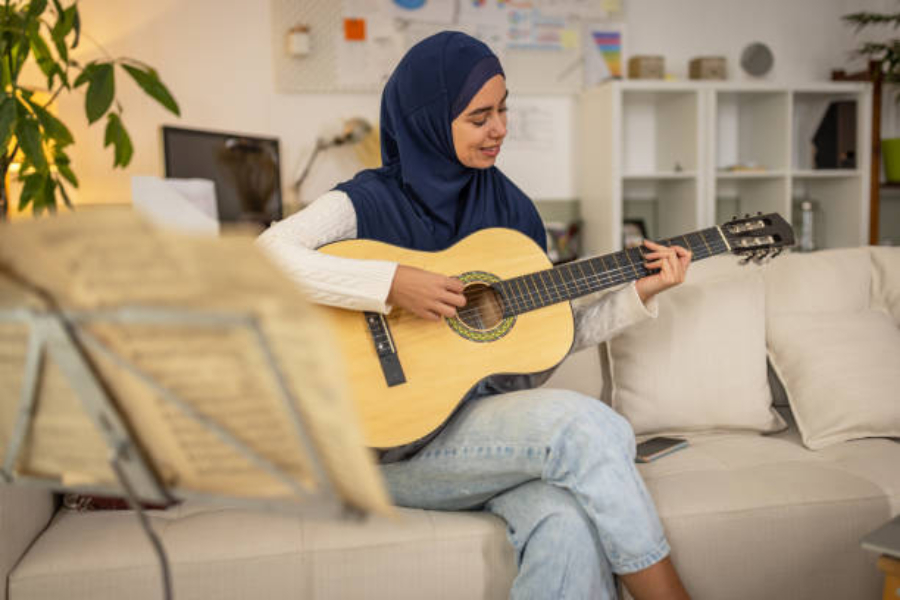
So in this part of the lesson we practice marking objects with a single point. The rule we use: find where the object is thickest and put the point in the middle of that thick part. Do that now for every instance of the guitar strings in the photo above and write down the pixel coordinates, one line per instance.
(521, 300)
(577, 284)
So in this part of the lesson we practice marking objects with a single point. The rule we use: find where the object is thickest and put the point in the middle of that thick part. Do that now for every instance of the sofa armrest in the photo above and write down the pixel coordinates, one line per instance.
(24, 513)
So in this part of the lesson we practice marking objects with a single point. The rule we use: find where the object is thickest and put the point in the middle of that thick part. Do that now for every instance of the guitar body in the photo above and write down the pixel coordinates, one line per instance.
(441, 361)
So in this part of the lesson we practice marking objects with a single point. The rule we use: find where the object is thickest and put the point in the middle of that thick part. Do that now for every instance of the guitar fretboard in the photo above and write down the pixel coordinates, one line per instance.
(579, 278)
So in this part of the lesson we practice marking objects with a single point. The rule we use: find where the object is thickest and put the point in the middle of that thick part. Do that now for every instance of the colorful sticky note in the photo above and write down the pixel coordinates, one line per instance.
(355, 30)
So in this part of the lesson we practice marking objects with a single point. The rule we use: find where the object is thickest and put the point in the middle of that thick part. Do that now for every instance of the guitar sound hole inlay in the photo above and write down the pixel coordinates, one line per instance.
(484, 308)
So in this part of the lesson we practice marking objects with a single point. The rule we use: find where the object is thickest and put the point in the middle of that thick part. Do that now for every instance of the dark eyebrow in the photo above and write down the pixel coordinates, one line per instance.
(485, 109)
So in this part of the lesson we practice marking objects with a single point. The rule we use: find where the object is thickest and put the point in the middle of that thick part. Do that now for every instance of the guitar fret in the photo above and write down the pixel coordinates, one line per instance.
(596, 279)
(535, 290)
(562, 289)
(523, 302)
(614, 274)
(548, 287)
(638, 262)
(708, 249)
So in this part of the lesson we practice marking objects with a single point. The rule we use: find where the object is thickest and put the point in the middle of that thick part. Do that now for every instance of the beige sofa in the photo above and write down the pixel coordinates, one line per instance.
(749, 516)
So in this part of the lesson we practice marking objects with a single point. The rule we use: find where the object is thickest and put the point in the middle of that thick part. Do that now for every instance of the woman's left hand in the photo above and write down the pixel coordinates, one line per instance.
(672, 262)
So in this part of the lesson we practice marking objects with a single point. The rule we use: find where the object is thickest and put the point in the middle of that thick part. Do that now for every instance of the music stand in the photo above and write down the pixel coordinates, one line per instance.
(92, 334)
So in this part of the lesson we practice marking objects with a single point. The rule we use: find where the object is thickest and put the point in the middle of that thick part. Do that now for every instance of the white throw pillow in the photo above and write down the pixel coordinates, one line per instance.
(826, 281)
(841, 372)
(834, 342)
(701, 365)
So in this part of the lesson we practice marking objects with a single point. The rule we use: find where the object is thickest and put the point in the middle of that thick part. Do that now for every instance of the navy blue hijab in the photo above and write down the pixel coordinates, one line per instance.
(422, 197)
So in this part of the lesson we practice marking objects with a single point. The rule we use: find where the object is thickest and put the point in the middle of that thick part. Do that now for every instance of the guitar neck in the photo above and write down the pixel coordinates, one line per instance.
(580, 278)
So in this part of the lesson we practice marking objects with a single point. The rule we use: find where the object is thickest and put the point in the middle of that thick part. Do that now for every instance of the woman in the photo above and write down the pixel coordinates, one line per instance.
(564, 478)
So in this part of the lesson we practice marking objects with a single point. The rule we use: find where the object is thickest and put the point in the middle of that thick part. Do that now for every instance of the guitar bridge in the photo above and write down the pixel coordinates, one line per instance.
(385, 349)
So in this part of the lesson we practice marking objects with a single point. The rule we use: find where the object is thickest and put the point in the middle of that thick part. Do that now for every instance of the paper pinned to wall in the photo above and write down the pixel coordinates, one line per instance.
(531, 127)
(604, 54)
(423, 11)
(485, 12)
(575, 9)
(370, 46)
(539, 132)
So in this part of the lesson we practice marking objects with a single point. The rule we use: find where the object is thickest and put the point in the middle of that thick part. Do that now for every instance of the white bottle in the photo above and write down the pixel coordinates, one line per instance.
(807, 226)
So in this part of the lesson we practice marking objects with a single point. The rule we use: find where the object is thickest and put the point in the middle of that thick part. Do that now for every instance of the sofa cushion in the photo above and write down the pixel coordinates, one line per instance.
(886, 280)
(24, 512)
(222, 553)
(764, 508)
(841, 372)
(826, 281)
(832, 343)
(667, 373)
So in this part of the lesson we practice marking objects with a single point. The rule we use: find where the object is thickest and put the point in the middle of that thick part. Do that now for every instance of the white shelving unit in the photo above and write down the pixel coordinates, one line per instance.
(688, 155)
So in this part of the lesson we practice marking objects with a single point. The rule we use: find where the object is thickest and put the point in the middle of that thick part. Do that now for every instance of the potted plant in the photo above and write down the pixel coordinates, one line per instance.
(45, 33)
(885, 61)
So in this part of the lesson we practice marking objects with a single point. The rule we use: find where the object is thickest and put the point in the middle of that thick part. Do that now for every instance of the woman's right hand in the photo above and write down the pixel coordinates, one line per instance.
(426, 294)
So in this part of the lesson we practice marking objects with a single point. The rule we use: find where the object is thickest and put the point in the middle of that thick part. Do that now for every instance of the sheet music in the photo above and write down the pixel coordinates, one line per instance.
(106, 260)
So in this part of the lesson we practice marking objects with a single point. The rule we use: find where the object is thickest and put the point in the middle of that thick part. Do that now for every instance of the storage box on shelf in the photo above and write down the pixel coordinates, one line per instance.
(686, 155)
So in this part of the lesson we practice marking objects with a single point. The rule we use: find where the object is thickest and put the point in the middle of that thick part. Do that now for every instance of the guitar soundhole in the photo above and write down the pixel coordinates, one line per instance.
(483, 309)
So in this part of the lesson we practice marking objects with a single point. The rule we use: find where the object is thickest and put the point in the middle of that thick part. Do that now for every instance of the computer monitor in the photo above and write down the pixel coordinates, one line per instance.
(245, 170)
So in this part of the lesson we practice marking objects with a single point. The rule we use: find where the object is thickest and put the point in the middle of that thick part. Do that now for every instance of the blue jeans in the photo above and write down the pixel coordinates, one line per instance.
(558, 467)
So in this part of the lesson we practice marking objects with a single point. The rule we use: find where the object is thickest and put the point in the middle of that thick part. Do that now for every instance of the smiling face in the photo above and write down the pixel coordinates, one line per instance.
(479, 130)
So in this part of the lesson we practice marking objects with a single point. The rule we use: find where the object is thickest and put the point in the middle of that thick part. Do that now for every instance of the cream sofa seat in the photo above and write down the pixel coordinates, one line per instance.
(748, 517)
(230, 553)
(752, 516)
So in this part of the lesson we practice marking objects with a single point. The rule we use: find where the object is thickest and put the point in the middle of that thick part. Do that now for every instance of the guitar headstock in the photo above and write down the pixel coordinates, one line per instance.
(758, 238)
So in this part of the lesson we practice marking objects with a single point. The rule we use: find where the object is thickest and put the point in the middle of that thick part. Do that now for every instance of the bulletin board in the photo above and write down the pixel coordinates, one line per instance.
(551, 61)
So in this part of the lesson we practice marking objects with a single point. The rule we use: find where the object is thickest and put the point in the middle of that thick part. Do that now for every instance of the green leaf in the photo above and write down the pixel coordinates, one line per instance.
(7, 118)
(100, 91)
(54, 129)
(43, 57)
(86, 74)
(65, 194)
(29, 135)
(36, 8)
(118, 137)
(149, 81)
(66, 171)
(65, 22)
(48, 194)
(76, 24)
(62, 162)
(21, 47)
(33, 183)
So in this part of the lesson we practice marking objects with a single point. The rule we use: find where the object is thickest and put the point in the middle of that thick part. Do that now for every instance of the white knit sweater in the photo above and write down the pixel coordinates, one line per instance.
(364, 284)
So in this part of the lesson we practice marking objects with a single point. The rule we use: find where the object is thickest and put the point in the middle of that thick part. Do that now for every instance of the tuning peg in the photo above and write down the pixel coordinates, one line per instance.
(746, 215)
(748, 256)
(777, 252)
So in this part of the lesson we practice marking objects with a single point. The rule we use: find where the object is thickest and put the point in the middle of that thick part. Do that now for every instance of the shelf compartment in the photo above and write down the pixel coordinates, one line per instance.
(659, 131)
(740, 196)
(810, 108)
(667, 207)
(750, 128)
(840, 216)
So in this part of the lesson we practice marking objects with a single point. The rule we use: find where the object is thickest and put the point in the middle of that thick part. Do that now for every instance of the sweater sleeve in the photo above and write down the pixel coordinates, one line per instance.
(599, 319)
(349, 283)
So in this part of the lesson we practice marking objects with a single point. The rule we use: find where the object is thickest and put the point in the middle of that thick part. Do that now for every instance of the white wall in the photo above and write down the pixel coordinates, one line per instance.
(215, 56)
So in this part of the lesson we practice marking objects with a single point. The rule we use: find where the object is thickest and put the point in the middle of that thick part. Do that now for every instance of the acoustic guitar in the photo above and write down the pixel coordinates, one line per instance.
(407, 375)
